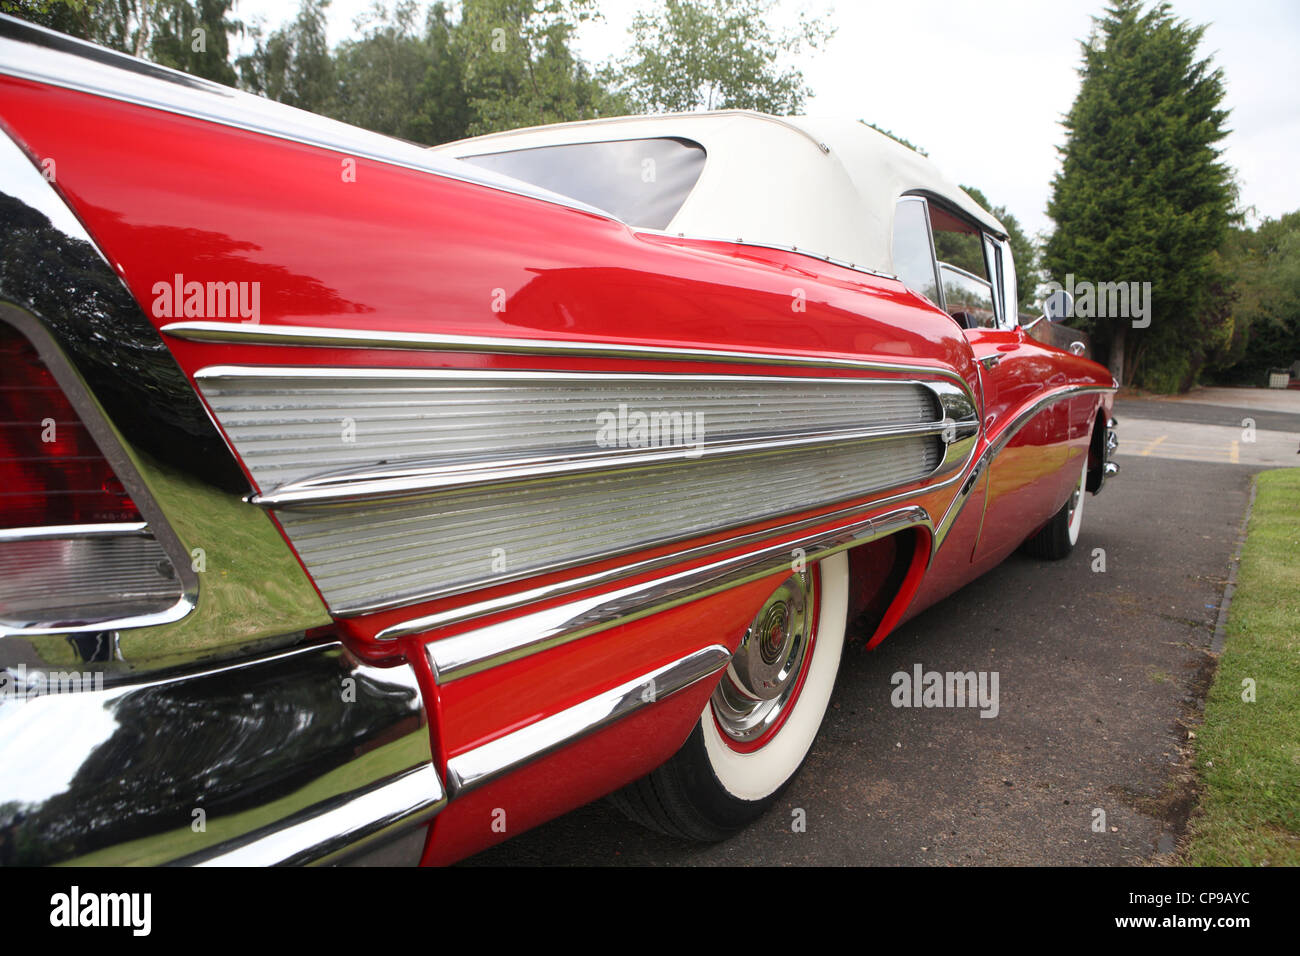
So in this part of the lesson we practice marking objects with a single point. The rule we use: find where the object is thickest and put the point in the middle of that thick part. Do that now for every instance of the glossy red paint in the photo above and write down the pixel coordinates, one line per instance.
(578, 774)
(407, 251)
(403, 250)
(475, 709)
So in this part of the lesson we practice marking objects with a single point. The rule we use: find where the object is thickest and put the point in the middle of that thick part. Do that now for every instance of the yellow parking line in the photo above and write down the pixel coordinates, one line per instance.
(1234, 454)
(1151, 447)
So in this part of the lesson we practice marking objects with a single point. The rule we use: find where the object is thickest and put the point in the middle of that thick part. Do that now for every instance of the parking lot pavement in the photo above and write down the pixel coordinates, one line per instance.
(1237, 445)
(1282, 400)
(1099, 673)
(1239, 426)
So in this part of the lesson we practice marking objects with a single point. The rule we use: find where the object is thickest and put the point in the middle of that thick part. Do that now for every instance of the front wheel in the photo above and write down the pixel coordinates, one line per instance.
(760, 723)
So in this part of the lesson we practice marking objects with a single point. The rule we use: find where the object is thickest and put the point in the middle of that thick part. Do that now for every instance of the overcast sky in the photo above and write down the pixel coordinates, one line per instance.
(982, 86)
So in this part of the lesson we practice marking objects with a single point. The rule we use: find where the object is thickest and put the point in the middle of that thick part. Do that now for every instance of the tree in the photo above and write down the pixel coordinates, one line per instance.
(519, 69)
(446, 112)
(294, 64)
(158, 30)
(1141, 195)
(195, 37)
(1264, 310)
(402, 78)
(716, 54)
(1023, 251)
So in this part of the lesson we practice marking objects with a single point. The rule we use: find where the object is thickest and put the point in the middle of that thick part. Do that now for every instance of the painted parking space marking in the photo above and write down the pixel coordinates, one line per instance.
(1221, 444)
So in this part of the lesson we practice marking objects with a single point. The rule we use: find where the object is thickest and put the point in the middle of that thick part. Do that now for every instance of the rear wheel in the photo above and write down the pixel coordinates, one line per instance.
(1059, 536)
(760, 723)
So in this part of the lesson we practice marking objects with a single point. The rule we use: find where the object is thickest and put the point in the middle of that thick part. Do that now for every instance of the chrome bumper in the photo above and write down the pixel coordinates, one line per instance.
(1109, 467)
(300, 756)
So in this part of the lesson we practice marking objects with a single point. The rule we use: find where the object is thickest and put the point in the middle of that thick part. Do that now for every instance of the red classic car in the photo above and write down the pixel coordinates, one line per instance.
(367, 502)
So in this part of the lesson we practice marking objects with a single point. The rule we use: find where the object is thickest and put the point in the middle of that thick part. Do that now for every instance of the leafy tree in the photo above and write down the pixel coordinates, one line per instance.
(158, 30)
(716, 54)
(400, 78)
(1141, 194)
(1023, 250)
(293, 64)
(1264, 306)
(519, 69)
(123, 25)
(446, 111)
(195, 37)
(76, 18)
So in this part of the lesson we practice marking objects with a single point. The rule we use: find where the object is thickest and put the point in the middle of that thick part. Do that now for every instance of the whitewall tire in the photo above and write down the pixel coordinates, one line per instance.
(760, 723)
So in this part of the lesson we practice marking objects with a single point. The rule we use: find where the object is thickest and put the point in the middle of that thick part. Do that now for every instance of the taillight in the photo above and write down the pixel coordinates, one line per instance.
(51, 470)
(75, 551)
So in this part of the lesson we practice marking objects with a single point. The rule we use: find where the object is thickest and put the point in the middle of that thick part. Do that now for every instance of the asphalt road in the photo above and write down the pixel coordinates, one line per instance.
(1100, 675)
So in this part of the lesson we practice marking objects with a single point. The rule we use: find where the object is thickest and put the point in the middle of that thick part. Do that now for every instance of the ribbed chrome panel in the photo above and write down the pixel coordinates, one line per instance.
(398, 485)
(52, 581)
(293, 424)
(376, 555)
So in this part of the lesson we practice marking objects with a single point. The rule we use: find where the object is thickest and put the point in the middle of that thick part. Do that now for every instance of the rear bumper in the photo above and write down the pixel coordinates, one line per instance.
(292, 757)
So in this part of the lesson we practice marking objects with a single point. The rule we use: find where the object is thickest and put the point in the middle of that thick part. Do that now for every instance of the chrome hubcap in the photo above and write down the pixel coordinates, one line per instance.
(764, 674)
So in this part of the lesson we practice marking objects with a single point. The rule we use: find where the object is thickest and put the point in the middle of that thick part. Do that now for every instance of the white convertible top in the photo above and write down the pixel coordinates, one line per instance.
(824, 186)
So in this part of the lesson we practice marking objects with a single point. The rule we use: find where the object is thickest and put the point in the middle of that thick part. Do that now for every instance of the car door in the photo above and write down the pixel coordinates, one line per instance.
(970, 275)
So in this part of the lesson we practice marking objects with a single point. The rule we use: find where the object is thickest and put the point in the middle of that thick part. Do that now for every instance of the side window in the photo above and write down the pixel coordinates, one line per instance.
(643, 182)
(913, 253)
(969, 291)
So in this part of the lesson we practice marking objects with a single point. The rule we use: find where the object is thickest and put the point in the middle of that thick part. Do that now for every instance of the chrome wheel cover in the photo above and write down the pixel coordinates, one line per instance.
(765, 674)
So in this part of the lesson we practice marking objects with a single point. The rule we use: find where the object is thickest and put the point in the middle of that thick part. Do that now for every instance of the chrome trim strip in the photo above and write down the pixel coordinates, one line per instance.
(414, 479)
(384, 373)
(346, 822)
(40, 55)
(339, 489)
(362, 608)
(842, 263)
(473, 651)
(300, 335)
(123, 529)
(497, 757)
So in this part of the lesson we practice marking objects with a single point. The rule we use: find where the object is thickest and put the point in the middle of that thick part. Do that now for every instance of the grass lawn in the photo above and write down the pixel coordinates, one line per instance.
(1248, 753)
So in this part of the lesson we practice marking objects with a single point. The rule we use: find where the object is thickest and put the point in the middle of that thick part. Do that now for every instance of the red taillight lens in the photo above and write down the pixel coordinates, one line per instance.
(51, 470)
(74, 550)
